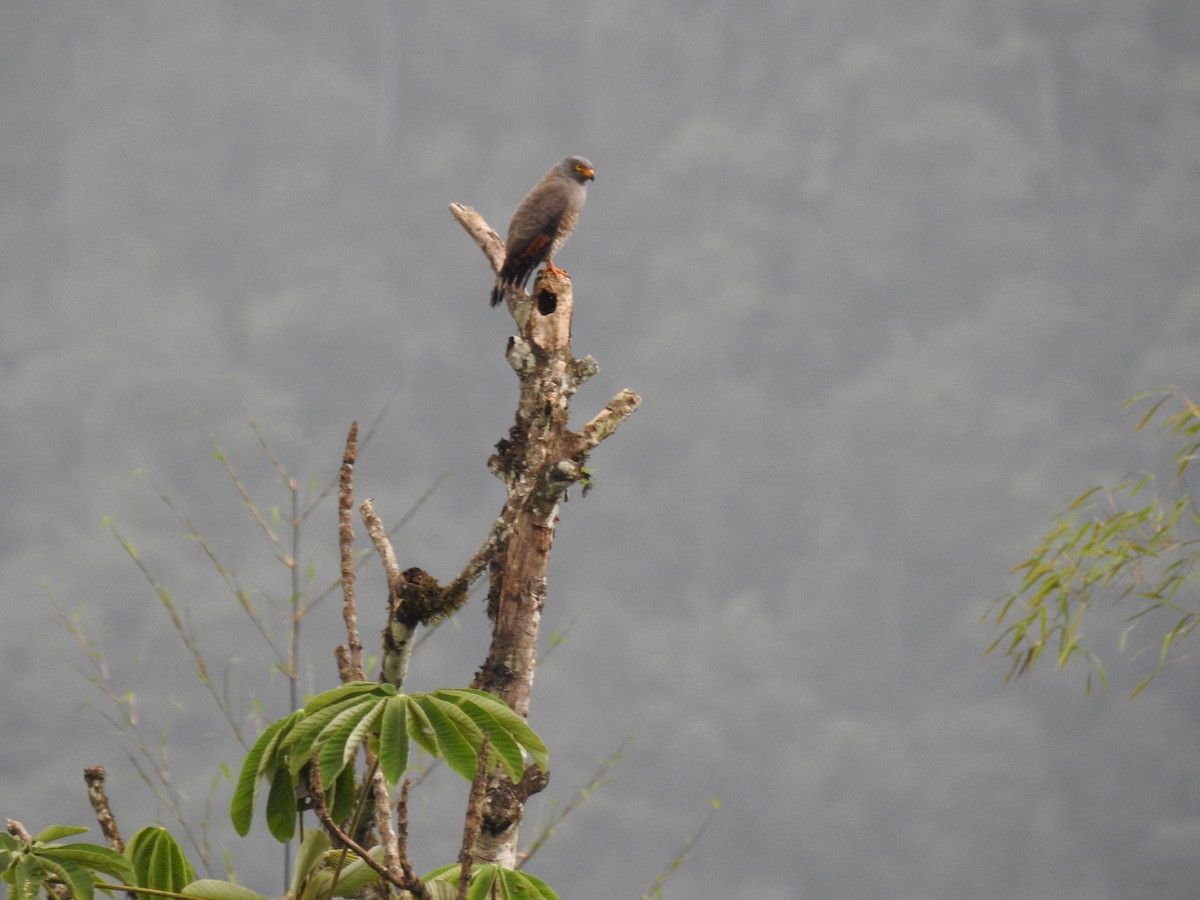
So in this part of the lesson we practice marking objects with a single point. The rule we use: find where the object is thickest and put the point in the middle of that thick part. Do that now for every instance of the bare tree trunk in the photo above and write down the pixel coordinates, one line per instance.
(538, 461)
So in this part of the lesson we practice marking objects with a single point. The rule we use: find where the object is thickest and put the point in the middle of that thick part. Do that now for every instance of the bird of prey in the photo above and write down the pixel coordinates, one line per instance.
(542, 223)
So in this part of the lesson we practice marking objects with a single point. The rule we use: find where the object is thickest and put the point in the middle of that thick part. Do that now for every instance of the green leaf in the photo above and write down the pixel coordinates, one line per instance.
(27, 877)
(522, 884)
(158, 861)
(491, 881)
(304, 740)
(341, 798)
(482, 879)
(209, 889)
(354, 876)
(453, 730)
(441, 890)
(505, 717)
(343, 735)
(10, 847)
(503, 746)
(89, 856)
(350, 689)
(281, 806)
(312, 848)
(393, 739)
(419, 728)
(241, 807)
(52, 833)
(78, 880)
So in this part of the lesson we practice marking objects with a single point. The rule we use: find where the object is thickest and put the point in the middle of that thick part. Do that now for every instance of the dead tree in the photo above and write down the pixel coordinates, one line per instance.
(538, 461)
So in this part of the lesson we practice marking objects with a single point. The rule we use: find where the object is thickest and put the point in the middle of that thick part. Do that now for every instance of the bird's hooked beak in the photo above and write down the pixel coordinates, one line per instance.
(588, 173)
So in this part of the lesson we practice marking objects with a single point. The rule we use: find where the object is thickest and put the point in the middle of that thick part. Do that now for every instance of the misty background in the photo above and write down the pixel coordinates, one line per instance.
(884, 273)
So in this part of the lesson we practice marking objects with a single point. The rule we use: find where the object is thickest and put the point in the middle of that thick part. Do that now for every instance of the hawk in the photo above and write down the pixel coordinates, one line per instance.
(542, 223)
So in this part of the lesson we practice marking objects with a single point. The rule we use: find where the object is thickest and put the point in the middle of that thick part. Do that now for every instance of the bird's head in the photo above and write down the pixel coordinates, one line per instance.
(579, 169)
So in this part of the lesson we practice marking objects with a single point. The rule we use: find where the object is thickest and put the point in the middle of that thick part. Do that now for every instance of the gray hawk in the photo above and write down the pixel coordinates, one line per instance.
(542, 223)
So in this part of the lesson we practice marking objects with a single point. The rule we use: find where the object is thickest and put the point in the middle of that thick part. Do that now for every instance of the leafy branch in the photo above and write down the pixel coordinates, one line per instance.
(1119, 542)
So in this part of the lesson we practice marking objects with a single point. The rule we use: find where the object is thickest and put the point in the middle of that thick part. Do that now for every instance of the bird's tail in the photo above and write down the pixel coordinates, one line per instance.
(498, 291)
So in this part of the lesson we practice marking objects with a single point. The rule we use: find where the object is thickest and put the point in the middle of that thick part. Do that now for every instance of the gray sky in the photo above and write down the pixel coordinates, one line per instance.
(883, 273)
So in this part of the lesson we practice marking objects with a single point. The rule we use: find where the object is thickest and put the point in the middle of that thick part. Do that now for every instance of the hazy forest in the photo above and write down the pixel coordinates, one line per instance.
(883, 273)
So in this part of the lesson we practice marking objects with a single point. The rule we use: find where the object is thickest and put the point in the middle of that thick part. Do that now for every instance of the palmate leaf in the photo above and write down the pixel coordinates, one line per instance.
(393, 739)
(503, 744)
(329, 730)
(78, 880)
(340, 797)
(27, 877)
(306, 738)
(316, 865)
(87, 856)
(458, 738)
(209, 889)
(312, 849)
(506, 721)
(259, 763)
(10, 848)
(158, 861)
(349, 689)
(281, 805)
(52, 833)
(75, 866)
(420, 729)
(341, 738)
(493, 881)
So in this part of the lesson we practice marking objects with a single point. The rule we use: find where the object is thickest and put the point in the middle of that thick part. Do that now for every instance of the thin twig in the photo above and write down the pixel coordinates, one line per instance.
(383, 820)
(378, 535)
(402, 832)
(59, 891)
(94, 777)
(473, 821)
(398, 879)
(597, 781)
(609, 419)
(346, 548)
(498, 533)
(397, 635)
(482, 233)
(17, 830)
(681, 857)
(241, 595)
